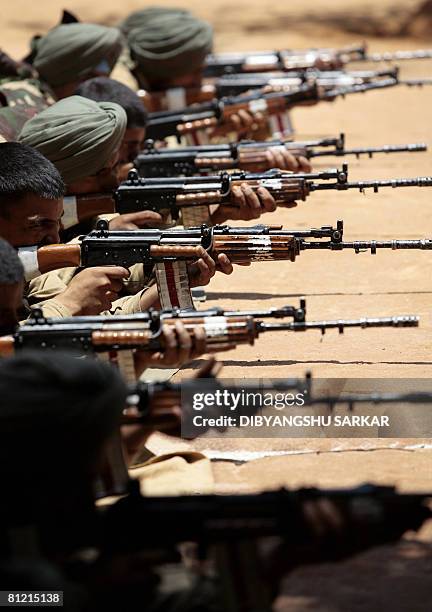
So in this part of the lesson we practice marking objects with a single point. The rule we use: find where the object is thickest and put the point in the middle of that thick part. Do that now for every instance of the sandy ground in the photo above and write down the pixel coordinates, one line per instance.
(336, 285)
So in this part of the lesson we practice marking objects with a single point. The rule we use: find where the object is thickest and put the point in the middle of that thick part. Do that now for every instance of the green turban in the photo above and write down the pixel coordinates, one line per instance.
(168, 43)
(78, 135)
(140, 18)
(77, 51)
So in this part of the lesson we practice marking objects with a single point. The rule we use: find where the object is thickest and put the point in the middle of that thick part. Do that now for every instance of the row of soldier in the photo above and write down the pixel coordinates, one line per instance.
(71, 134)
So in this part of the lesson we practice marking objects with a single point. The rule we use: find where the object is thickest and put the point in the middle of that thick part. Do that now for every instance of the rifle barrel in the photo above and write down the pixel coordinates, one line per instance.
(416, 82)
(418, 181)
(368, 245)
(421, 397)
(341, 152)
(398, 56)
(343, 91)
(341, 324)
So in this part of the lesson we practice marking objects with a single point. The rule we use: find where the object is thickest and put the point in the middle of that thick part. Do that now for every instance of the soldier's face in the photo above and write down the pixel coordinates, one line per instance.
(32, 221)
(132, 144)
(10, 304)
(104, 181)
(190, 80)
(193, 79)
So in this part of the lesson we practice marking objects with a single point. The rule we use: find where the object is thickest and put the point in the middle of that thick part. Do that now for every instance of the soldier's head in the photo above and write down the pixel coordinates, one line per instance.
(168, 47)
(82, 138)
(11, 287)
(31, 196)
(104, 89)
(56, 416)
(72, 53)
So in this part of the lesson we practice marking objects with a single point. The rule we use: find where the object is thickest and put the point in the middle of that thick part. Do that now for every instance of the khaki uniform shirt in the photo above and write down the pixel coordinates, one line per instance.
(42, 292)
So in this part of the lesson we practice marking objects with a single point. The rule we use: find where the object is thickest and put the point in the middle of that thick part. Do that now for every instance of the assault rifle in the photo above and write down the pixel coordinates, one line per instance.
(218, 112)
(171, 250)
(235, 84)
(242, 244)
(135, 194)
(224, 329)
(192, 195)
(173, 194)
(227, 527)
(155, 162)
(290, 59)
(142, 394)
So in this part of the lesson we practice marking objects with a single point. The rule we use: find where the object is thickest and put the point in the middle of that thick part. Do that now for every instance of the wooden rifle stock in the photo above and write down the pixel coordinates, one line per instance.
(7, 346)
(57, 256)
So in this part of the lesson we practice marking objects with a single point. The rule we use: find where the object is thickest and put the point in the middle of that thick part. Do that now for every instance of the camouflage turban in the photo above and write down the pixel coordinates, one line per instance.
(77, 51)
(169, 43)
(78, 135)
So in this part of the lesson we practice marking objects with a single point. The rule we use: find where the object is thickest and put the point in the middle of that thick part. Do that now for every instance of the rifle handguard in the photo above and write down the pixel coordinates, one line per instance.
(122, 338)
(188, 252)
(194, 126)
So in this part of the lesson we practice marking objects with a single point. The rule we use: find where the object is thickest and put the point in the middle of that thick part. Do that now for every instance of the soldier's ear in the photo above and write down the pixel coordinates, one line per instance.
(68, 17)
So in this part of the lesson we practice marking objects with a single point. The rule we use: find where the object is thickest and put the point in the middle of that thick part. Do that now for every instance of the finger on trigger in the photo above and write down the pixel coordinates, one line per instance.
(116, 272)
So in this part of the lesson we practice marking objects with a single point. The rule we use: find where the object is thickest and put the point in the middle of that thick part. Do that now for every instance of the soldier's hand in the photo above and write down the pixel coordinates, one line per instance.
(247, 204)
(180, 347)
(332, 62)
(93, 290)
(274, 157)
(282, 158)
(203, 270)
(244, 122)
(133, 221)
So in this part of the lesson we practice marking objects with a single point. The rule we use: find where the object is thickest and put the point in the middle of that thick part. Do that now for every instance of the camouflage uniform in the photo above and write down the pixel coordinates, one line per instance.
(22, 99)
(12, 121)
